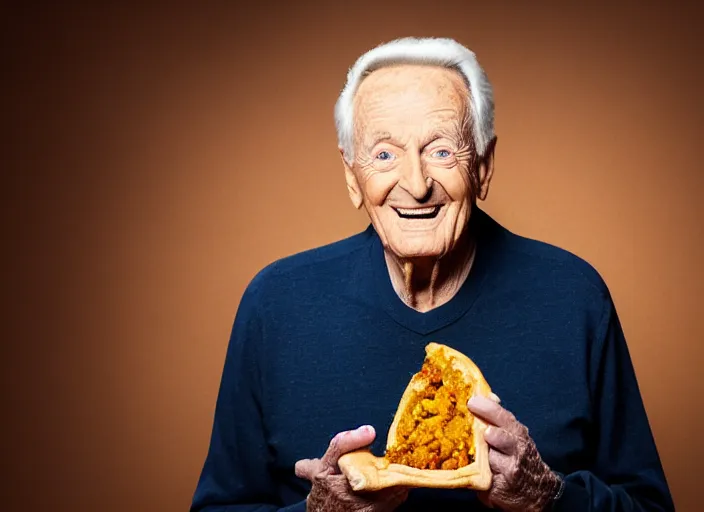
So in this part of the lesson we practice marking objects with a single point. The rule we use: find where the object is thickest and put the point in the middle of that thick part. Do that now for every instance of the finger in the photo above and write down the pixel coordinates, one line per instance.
(500, 463)
(383, 500)
(501, 440)
(384, 494)
(308, 468)
(502, 495)
(403, 492)
(397, 499)
(493, 497)
(398, 492)
(388, 499)
(490, 411)
(485, 498)
(346, 442)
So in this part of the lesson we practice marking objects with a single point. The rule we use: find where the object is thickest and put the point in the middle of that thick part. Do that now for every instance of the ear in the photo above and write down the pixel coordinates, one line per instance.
(486, 170)
(353, 188)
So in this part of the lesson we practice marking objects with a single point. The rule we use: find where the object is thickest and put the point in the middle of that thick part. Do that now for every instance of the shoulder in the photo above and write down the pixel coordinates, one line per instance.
(555, 285)
(537, 270)
(556, 263)
(311, 267)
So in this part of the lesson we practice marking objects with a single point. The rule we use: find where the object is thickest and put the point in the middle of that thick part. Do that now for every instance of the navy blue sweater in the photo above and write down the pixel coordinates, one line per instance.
(321, 343)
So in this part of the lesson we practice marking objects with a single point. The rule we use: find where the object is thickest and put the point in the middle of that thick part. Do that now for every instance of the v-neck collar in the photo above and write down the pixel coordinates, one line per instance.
(486, 232)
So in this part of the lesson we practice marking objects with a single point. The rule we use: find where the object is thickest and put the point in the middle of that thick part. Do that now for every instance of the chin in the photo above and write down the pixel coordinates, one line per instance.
(413, 249)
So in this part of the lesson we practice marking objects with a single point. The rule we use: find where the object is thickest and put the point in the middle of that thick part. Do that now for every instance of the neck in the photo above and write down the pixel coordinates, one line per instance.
(426, 283)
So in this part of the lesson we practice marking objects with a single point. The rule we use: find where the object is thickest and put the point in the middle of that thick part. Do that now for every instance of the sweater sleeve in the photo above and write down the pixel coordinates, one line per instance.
(236, 476)
(626, 473)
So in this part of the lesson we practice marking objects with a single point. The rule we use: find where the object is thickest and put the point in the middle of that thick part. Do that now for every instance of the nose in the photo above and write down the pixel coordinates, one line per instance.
(414, 181)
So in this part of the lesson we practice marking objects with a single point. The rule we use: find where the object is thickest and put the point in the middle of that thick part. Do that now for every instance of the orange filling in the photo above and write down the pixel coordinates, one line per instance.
(434, 431)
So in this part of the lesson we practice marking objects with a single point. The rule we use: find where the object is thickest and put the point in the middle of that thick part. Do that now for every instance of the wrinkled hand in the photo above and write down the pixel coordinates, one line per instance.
(332, 492)
(521, 480)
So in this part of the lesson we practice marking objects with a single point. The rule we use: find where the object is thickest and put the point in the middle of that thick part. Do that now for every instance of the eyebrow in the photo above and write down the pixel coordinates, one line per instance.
(377, 137)
(440, 133)
(383, 136)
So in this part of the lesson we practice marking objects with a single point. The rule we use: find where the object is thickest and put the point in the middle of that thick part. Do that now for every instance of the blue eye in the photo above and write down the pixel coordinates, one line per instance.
(442, 153)
(385, 155)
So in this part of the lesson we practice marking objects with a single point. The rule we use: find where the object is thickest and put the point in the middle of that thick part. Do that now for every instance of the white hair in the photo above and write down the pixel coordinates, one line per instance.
(430, 51)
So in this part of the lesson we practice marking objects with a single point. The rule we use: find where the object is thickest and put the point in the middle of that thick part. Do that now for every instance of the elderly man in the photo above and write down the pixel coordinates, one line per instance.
(326, 340)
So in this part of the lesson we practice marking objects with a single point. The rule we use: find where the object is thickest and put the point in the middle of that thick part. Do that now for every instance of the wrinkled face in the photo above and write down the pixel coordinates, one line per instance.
(415, 167)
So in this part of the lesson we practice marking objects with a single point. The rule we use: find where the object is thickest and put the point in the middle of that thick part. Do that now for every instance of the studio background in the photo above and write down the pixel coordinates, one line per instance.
(158, 157)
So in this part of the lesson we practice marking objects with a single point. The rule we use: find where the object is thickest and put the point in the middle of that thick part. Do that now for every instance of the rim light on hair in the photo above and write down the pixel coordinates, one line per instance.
(429, 51)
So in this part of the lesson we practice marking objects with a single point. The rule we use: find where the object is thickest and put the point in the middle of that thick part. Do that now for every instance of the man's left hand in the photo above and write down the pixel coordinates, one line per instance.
(521, 480)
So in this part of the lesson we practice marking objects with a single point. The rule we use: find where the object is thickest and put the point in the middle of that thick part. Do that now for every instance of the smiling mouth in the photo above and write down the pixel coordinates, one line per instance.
(429, 212)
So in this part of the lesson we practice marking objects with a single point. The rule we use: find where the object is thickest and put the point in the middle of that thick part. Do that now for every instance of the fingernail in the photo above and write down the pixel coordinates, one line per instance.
(366, 429)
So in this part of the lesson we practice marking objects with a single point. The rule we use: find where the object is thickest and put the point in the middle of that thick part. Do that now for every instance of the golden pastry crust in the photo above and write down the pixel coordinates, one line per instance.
(434, 441)
(434, 429)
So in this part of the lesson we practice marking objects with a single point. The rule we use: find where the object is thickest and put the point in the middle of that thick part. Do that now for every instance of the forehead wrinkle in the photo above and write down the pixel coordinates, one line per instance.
(451, 129)
(385, 98)
(443, 131)
(376, 136)
(440, 123)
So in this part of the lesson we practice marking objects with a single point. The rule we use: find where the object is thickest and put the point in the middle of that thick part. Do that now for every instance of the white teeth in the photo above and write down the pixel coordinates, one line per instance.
(416, 211)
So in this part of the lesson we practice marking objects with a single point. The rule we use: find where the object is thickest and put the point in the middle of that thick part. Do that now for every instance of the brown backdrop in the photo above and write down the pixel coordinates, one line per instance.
(157, 158)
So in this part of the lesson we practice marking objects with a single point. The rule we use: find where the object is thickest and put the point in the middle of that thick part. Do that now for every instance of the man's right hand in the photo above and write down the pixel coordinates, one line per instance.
(332, 492)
